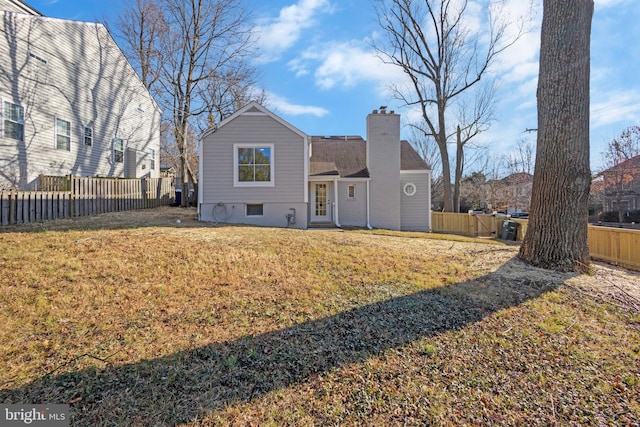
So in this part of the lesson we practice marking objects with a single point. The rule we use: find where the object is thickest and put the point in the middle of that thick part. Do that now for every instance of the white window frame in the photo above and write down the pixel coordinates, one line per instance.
(238, 183)
(113, 148)
(90, 137)
(19, 121)
(68, 148)
(152, 157)
(349, 195)
(410, 189)
(246, 210)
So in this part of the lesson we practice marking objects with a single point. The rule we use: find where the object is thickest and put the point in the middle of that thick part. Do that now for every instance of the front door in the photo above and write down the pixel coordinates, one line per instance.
(321, 207)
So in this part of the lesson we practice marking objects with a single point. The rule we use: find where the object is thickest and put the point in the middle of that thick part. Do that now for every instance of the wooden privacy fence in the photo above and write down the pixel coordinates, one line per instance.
(619, 246)
(71, 196)
(474, 225)
(615, 245)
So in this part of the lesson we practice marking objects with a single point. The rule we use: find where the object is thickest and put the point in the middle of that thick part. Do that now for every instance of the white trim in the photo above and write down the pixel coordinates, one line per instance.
(262, 112)
(409, 189)
(368, 207)
(3, 118)
(246, 214)
(113, 149)
(84, 136)
(335, 202)
(349, 197)
(270, 183)
(307, 159)
(420, 171)
(55, 133)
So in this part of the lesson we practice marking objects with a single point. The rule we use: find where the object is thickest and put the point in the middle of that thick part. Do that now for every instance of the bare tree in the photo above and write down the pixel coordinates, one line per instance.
(557, 234)
(523, 159)
(444, 60)
(195, 55)
(143, 29)
(618, 173)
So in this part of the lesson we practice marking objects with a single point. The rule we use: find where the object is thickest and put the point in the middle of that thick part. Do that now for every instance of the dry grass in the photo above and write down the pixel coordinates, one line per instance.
(136, 319)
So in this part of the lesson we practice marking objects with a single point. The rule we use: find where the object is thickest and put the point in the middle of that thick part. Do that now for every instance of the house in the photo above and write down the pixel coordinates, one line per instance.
(622, 186)
(70, 102)
(255, 168)
(510, 194)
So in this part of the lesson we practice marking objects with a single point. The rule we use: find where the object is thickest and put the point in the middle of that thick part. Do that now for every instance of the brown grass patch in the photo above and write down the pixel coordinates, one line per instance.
(138, 319)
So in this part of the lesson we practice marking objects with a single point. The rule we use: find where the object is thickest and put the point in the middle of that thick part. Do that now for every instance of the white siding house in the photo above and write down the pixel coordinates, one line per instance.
(70, 102)
(255, 168)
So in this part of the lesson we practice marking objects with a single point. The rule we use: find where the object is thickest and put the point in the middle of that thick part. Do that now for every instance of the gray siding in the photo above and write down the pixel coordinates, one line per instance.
(217, 172)
(415, 210)
(275, 214)
(352, 212)
(80, 75)
(383, 160)
(217, 161)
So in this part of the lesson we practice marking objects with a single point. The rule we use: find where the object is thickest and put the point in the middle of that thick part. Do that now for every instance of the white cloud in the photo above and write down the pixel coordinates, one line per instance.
(621, 106)
(279, 34)
(282, 105)
(346, 64)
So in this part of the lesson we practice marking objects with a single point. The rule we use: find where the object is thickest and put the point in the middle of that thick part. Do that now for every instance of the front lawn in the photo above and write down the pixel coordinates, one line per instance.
(135, 319)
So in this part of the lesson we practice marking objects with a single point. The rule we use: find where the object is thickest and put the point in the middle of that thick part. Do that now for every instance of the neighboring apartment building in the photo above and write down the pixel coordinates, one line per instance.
(70, 102)
(622, 186)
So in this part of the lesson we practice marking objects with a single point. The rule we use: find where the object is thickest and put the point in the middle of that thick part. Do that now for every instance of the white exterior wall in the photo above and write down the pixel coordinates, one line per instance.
(383, 161)
(71, 70)
(352, 212)
(416, 209)
(289, 172)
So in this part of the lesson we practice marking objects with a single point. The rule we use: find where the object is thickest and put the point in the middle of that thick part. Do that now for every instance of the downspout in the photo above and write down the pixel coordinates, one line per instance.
(335, 201)
(368, 216)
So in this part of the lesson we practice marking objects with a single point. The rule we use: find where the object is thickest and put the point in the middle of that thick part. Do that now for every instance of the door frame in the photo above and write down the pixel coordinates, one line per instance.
(328, 206)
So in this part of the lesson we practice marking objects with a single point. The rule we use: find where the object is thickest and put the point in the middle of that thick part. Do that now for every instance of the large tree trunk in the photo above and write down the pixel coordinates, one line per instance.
(557, 232)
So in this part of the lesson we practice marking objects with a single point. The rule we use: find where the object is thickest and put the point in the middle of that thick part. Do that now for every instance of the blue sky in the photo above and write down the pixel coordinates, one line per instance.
(317, 66)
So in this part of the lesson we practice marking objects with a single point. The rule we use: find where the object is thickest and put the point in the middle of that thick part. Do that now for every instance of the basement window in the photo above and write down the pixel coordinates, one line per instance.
(255, 210)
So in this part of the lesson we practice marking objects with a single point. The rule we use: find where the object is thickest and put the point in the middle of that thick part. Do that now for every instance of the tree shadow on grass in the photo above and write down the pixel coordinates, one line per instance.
(184, 386)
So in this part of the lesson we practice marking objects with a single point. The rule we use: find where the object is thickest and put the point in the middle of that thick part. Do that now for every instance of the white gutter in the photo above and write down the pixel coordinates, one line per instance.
(335, 201)
(368, 216)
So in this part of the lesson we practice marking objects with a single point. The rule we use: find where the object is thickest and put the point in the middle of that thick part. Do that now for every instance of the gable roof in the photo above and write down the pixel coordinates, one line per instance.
(631, 165)
(410, 159)
(18, 6)
(253, 108)
(346, 156)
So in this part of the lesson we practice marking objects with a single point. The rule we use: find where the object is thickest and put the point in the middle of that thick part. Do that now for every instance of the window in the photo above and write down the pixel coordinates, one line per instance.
(351, 191)
(13, 121)
(63, 135)
(253, 165)
(118, 150)
(88, 136)
(152, 157)
(255, 210)
(409, 189)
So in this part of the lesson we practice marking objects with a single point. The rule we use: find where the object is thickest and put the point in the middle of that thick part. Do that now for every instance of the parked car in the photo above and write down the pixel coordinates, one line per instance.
(520, 215)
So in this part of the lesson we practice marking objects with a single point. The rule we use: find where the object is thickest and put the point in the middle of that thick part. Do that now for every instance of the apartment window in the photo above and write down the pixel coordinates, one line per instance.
(152, 157)
(351, 191)
(255, 210)
(13, 121)
(88, 136)
(253, 165)
(63, 135)
(118, 150)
